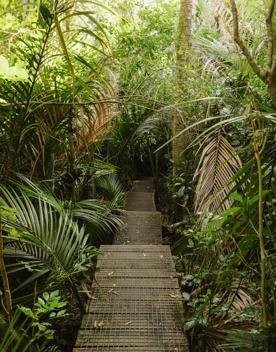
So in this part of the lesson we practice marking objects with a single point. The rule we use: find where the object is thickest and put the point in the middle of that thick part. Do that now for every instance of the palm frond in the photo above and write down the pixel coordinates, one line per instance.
(218, 164)
(94, 120)
(254, 341)
(111, 187)
(18, 336)
(99, 216)
(49, 242)
(40, 112)
(151, 125)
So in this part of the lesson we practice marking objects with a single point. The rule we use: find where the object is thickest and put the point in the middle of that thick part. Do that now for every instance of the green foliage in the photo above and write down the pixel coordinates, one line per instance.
(48, 242)
(111, 188)
(16, 72)
(64, 67)
(38, 114)
(143, 49)
(17, 17)
(47, 308)
(255, 341)
(219, 261)
(25, 334)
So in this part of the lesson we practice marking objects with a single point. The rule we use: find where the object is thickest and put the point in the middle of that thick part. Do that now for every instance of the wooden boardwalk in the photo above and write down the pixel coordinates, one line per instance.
(134, 306)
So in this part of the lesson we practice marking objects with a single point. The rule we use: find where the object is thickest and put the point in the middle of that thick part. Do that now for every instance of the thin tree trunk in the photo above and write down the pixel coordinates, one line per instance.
(5, 281)
(261, 241)
(258, 146)
(184, 36)
(272, 92)
(183, 41)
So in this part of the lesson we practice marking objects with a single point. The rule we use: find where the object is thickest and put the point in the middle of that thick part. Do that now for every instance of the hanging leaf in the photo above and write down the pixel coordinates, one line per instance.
(218, 164)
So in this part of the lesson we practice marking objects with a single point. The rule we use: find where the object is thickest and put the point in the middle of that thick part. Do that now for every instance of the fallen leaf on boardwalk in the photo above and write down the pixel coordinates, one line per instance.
(172, 295)
(113, 291)
(109, 274)
(161, 256)
(129, 322)
(98, 324)
(144, 255)
(101, 324)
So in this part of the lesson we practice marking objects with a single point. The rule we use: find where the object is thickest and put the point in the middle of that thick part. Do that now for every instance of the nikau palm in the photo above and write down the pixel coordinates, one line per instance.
(59, 111)
(51, 239)
(49, 243)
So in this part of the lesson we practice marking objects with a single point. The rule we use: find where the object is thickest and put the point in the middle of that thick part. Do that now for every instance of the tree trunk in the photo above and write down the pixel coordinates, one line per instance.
(184, 36)
(272, 92)
(183, 41)
(268, 74)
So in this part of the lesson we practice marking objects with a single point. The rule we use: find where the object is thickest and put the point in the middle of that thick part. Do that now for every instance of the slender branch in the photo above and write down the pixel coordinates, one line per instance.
(259, 72)
(269, 27)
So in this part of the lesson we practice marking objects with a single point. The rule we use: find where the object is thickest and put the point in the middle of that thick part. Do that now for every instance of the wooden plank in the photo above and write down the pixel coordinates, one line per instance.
(145, 185)
(140, 282)
(140, 201)
(135, 349)
(142, 228)
(136, 273)
(134, 293)
(138, 256)
(133, 264)
(137, 248)
(126, 338)
(122, 321)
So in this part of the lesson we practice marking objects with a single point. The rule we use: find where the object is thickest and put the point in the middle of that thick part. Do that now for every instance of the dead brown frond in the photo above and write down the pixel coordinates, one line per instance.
(89, 123)
(45, 131)
(241, 298)
(218, 164)
(93, 121)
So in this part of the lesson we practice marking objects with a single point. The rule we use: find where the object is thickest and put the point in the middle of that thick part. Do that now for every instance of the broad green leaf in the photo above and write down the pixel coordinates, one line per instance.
(12, 73)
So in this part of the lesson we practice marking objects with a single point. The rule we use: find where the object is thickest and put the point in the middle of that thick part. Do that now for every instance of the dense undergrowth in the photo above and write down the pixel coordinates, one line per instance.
(95, 94)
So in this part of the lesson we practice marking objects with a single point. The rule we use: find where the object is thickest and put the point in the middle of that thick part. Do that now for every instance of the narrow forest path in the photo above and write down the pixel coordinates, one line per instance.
(134, 306)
